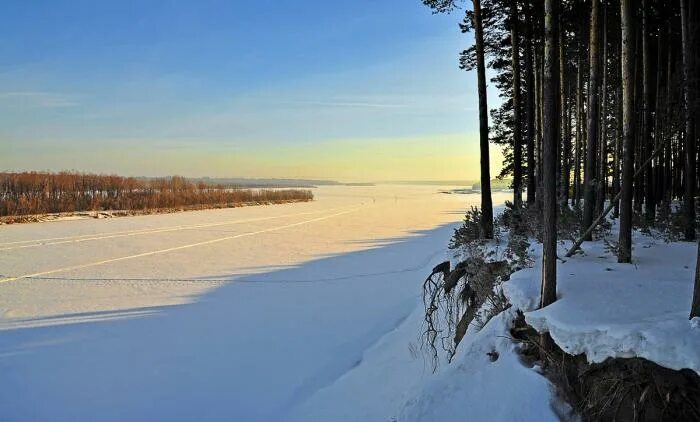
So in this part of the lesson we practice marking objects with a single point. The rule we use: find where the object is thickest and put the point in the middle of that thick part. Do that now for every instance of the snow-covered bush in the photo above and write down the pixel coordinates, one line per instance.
(469, 231)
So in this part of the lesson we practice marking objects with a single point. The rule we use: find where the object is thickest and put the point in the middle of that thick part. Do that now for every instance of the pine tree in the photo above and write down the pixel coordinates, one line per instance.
(549, 155)
(625, 235)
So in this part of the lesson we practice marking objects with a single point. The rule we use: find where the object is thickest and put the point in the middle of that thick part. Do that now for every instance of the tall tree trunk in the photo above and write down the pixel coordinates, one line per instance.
(695, 306)
(579, 133)
(638, 192)
(678, 167)
(550, 139)
(619, 140)
(668, 133)
(658, 127)
(566, 140)
(517, 124)
(567, 144)
(690, 181)
(603, 144)
(530, 109)
(625, 235)
(592, 123)
(486, 204)
(646, 145)
(538, 122)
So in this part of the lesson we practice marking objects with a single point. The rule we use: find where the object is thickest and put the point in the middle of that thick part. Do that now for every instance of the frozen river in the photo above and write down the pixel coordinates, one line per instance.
(238, 313)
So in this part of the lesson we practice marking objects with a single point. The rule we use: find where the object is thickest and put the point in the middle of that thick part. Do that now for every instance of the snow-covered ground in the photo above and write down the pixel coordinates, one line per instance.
(605, 309)
(145, 261)
(476, 387)
(239, 314)
(303, 312)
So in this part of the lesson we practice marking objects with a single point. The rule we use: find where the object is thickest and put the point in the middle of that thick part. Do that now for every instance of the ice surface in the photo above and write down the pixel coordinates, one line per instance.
(293, 309)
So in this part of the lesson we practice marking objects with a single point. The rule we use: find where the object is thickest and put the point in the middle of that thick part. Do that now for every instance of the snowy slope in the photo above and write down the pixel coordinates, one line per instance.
(475, 388)
(605, 310)
(391, 384)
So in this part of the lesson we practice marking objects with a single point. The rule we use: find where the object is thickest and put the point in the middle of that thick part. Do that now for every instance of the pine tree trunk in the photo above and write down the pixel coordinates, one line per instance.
(579, 133)
(603, 144)
(638, 192)
(689, 197)
(668, 145)
(530, 110)
(566, 140)
(517, 124)
(592, 122)
(619, 139)
(486, 203)
(695, 306)
(538, 129)
(647, 145)
(567, 145)
(550, 139)
(658, 128)
(625, 235)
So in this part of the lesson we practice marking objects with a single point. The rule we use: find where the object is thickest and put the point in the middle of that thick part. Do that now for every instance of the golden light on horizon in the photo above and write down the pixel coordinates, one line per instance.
(440, 157)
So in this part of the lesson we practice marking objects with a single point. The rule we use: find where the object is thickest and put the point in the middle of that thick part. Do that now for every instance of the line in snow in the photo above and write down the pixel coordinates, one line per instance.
(423, 264)
(177, 248)
(126, 233)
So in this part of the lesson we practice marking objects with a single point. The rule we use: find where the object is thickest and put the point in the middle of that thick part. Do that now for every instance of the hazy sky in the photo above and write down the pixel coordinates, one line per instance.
(349, 90)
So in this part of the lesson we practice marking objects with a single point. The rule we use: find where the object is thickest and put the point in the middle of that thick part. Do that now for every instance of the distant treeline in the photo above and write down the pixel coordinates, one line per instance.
(42, 193)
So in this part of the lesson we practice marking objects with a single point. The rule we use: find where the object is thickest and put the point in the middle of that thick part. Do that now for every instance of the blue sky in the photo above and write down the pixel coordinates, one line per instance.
(361, 90)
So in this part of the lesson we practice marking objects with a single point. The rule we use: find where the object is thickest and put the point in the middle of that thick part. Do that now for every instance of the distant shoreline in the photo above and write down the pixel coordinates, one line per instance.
(89, 215)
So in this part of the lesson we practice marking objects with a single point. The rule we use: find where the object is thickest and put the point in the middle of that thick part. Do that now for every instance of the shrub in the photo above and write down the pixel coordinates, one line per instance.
(40, 193)
(469, 231)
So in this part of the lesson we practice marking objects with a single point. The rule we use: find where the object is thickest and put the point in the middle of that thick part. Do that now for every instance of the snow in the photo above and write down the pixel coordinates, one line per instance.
(475, 388)
(393, 382)
(303, 312)
(115, 265)
(382, 380)
(315, 297)
(605, 309)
